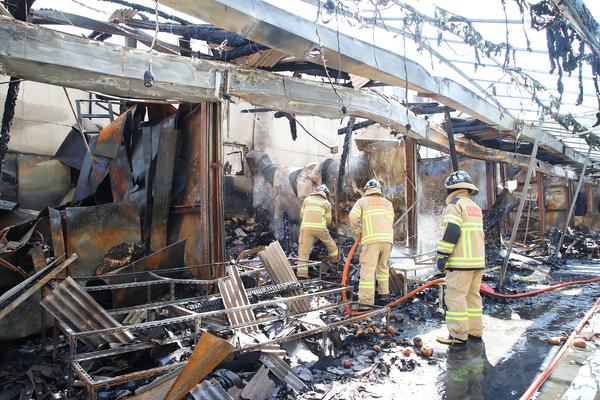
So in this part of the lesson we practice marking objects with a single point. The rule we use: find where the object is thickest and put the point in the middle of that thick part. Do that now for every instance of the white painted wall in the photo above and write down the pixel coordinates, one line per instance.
(262, 131)
(42, 117)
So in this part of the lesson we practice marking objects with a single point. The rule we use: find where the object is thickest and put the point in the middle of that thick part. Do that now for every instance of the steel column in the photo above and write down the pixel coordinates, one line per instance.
(573, 202)
(217, 221)
(515, 227)
(410, 150)
(451, 146)
(541, 204)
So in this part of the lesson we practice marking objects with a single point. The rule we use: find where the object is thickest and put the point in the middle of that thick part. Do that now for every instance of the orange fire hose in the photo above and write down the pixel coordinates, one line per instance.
(484, 288)
(535, 385)
(487, 290)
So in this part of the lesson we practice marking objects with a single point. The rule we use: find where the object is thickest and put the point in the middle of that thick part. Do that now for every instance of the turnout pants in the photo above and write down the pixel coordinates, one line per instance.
(463, 300)
(373, 268)
(305, 243)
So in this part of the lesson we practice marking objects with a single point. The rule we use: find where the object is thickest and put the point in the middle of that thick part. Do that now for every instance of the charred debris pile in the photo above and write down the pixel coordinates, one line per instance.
(257, 332)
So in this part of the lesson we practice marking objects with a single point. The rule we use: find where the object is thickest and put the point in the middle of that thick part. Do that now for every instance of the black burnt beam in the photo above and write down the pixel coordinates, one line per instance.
(427, 108)
(308, 69)
(360, 125)
(205, 32)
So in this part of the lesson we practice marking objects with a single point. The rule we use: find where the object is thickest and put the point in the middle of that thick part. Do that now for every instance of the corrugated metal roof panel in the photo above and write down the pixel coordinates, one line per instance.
(209, 389)
(283, 371)
(79, 311)
(234, 295)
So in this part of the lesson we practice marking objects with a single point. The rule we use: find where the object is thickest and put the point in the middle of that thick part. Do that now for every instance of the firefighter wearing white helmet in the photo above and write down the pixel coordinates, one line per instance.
(461, 253)
(315, 215)
(373, 217)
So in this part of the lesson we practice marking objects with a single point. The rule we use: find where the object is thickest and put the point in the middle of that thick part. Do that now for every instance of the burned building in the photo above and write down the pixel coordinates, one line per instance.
(155, 157)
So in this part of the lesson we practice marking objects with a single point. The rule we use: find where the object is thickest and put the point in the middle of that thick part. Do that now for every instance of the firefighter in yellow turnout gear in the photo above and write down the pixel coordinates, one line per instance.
(315, 215)
(373, 217)
(461, 253)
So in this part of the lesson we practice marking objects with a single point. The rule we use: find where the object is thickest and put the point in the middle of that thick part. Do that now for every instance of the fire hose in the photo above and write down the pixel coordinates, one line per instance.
(487, 290)
(535, 385)
(484, 288)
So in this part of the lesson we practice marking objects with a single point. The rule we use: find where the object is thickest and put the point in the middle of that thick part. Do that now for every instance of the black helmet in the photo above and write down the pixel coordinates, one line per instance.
(461, 180)
(373, 184)
(323, 189)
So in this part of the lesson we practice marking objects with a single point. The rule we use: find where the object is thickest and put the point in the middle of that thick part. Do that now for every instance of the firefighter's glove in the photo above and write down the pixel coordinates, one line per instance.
(441, 262)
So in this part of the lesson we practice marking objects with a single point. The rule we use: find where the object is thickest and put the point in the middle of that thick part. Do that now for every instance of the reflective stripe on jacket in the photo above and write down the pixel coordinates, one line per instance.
(373, 217)
(463, 237)
(315, 212)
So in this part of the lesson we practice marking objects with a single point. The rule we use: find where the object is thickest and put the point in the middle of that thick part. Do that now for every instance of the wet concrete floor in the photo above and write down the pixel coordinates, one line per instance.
(514, 351)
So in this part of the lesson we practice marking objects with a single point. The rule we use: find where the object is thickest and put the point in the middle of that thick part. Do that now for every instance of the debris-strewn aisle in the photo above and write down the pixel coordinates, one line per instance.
(372, 358)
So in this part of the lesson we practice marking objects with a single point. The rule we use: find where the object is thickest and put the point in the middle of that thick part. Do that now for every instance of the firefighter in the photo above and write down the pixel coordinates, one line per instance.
(373, 217)
(461, 254)
(315, 215)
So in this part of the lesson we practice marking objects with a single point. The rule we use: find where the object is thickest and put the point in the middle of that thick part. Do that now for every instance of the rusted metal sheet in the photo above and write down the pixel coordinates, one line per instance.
(121, 181)
(14, 237)
(92, 231)
(210, 351)
(37, 257)
(170, 256)
(15, 296)
(72, 150)
(283, 371)
(193, 122)
(234, 295)
(209, 389)
(58, 239)
(92, 173)
(43, 182)
(163, 181)
(217, 214)
(69, 304)
(110, 138)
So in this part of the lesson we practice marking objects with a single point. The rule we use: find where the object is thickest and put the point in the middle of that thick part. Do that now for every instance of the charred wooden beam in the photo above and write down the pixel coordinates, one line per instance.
(52, 57)
(308, 69)
(44, 55)
(354, 127)
(451, 146)
(267, 24)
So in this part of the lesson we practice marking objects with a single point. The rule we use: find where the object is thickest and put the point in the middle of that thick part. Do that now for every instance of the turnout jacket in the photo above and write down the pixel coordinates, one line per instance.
(373, 217)
(463, 238)
(315, 212)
